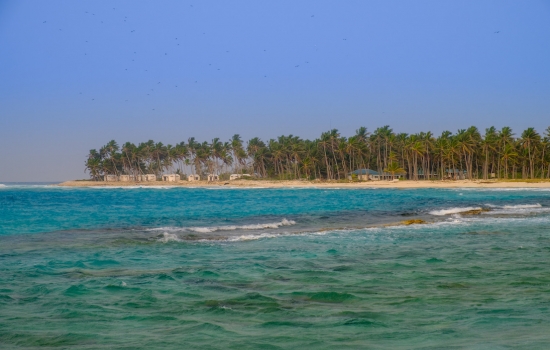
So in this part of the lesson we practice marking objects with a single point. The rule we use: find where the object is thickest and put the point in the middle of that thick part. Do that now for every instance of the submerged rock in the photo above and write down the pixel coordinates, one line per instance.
(475, 211)
(413, 222)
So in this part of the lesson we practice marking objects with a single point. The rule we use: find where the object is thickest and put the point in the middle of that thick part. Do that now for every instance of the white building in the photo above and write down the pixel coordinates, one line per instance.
(147, 177)
(213, 177)
(193, 177)
(126, 178)
(110, 178)
(171, 177)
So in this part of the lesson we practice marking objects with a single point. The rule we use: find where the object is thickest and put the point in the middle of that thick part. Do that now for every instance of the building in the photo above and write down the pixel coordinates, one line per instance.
(213, 177)
(110, 178)
(369, 174)
(171, 177)
(193, 177)
(126, 178)
(238, 176)
(455, 174)
(146, 177)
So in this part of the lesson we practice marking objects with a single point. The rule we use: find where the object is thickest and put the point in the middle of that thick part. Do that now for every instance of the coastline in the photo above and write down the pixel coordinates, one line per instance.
(404, 184)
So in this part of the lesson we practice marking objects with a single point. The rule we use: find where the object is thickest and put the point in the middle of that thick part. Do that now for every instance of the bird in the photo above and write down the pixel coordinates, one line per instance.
(498, 31)
(44, 22)
(312, 15)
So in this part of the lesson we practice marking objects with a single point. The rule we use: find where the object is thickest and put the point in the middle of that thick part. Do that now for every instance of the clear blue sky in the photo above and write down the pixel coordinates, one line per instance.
(76, 74)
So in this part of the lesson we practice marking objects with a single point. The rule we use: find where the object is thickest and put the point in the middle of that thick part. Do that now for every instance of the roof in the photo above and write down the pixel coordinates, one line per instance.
(365, 172)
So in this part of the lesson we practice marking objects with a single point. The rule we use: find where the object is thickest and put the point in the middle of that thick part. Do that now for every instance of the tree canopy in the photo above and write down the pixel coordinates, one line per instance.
(466, 154)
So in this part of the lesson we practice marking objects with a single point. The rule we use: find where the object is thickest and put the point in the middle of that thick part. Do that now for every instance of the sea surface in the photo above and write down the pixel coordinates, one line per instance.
(227, 268)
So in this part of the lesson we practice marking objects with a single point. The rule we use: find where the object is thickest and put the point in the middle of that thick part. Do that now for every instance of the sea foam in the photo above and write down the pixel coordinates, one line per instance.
(169, 237)
(207, 229)
(453, 211)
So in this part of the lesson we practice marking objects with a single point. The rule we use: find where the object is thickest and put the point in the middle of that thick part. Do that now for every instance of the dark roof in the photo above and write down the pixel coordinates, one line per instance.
(365, 172)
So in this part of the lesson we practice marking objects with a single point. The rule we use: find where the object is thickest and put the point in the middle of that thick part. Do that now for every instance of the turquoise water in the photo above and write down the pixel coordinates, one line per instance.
(273, 268)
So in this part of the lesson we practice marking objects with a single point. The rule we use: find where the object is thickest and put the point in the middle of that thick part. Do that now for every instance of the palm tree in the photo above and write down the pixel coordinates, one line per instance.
(394, 168)
(529, 140)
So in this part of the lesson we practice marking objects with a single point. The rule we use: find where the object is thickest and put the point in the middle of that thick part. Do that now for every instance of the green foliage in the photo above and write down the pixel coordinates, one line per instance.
(466, 154)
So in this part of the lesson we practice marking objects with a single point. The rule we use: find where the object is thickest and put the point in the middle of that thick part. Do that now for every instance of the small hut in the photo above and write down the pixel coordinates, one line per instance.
(147, 177)
(171, 177)
(369, 174)
(213, 177)
(455, 174)
(110, 178)
(124, 178)
(193, 177)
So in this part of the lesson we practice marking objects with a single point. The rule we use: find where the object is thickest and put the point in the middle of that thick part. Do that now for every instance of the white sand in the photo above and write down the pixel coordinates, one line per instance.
(320, 184)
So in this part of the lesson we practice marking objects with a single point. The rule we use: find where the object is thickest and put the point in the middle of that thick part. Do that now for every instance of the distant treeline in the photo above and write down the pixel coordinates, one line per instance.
(496, 153)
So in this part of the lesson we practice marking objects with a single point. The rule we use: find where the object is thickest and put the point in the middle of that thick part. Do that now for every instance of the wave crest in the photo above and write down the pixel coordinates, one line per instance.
(208, 229)
(453, 211)
(169, 237)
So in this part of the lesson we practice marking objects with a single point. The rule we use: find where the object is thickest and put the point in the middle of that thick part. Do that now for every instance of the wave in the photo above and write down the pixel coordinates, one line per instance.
(452, 211)
(522, 206)
(207, 229)
(495, 209)
(169, 237)
(501, 189)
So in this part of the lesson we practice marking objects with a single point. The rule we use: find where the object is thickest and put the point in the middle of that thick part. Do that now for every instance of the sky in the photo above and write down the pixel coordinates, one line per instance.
(76, 74)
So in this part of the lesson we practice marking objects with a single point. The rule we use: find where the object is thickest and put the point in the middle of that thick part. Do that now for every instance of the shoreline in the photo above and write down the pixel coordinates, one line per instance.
(404, 184)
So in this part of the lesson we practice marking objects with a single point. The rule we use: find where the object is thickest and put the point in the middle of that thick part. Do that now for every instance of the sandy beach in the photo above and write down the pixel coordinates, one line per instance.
(319, 184)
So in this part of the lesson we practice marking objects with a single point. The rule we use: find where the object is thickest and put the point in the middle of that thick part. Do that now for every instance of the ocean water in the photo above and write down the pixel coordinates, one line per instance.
(224, 268)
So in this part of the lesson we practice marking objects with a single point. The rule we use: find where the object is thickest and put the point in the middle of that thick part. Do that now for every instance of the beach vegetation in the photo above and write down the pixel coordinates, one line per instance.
(467, 154)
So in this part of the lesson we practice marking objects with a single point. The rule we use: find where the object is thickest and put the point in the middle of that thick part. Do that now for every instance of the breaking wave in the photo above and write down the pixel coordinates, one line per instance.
(452, 211)
(207, 229)
(522, 206)
(495, 209)
(169, 237)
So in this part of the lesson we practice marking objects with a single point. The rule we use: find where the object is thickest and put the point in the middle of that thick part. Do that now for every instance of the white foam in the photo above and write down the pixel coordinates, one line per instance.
(501, 189)
(169, 237)
(522, 206)
(208, 229)
(452, 211)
